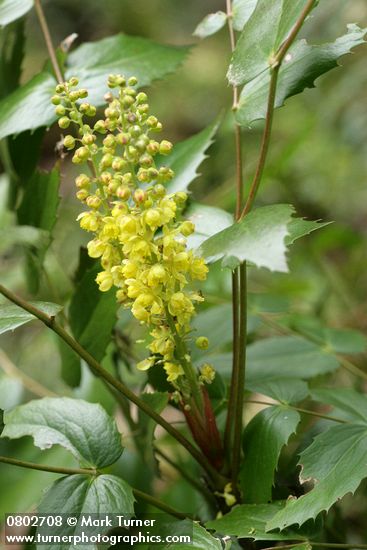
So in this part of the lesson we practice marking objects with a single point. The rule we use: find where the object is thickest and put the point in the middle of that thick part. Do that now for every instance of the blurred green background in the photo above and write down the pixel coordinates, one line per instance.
(317, 162)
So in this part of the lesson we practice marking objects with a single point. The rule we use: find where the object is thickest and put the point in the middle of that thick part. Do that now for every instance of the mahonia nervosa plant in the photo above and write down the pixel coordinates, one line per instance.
(139, 233)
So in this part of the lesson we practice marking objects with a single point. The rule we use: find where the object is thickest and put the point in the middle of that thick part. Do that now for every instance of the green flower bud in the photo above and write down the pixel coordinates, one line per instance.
(143, 176)
(112, 113)
(60, 110)
(100, 127)
(159, 190)
(165, 147)
(106, 161)
(105, 178)
(132, 81)
(123, 192)
(153, 147)
(121, 81)
(202, 342)
(74, 115)
(73, 81)
(153, 173)
(83, 93)
(141, 98)
(60, 88)
(152, 121)
(92, 111)
(118, 164)
(69, 142)
(112, 81)
(127, 101)
(74, 96)
(64, 122)
(135, 131)
(146, 161)
(123, 138)
(143, 109)
(88, 139)
(139, 196)
(187, 228)
(93, 201)
(109, 141)
(165, 173)
(130, 91)
(82, 195)
(82, 181)
(55, 100)
(180, 197)
(157, 128)
(81, 155)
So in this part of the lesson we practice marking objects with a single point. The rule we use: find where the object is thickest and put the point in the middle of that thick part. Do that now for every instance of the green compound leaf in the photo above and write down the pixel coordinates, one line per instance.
(187, 156)
(261, 238)
(10, 10)
(12, 316)
(39, 209)
(263, 439)
(303, 64)
(211, 24)
(80, 494)
(287, 357)
(83, 428)
(249, 521)
(263, 34)
(23, 235)
(348, 403)
(92, 314)
(202, 540)
(285, 390)
(336, 463)
(346, 341)
(28, 107)
(242, 11)
(92, 62)
(88, 307)
(208, 221)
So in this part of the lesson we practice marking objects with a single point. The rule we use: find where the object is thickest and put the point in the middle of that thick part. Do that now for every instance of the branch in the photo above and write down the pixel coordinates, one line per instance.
(89, 471)
(274, 71)
(48, 40)
(99, 371)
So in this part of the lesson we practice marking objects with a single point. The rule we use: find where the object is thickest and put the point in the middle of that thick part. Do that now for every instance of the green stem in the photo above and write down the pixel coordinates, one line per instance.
(86, 471)
(274, 72)
(160, 505)
(48, 40)
(98, 370)
(240, 388)
(235, 364)
(299, 409)
(265, 142)
(45, 468)
(189, 370)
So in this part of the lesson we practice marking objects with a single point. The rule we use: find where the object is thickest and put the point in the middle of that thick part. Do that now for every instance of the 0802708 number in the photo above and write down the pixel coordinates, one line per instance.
(32, 520)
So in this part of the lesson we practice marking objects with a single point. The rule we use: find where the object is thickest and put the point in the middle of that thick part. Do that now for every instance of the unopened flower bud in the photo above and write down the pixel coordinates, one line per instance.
(64, 122)
(82, 181)
(139, 196)
(202, 342)
(69, 142)
(56, 100)
(187, 228)
(132, 81)
(165, 147)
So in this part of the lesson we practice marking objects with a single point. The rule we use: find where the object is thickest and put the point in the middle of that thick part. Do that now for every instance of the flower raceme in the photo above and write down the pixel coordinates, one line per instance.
(139, 234)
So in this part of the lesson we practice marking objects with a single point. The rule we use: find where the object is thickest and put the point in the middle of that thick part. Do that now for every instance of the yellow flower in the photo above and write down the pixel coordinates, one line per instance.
(202, 342)
(156, 275)
(96, 247)
(89, 221)
(207, 373)
(104, 280)
(145, 364)
(173, 371)
(198, 269)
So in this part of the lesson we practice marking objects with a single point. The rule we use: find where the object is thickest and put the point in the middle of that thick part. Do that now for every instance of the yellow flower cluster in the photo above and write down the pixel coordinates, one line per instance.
(138, 234)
